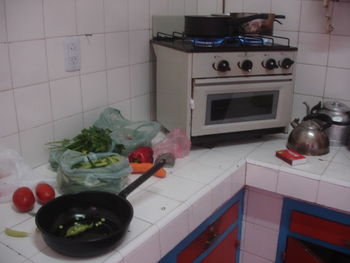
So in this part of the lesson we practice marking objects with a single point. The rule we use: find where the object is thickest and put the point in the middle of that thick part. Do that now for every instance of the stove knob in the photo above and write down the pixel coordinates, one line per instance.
(246, 65)
(286, 63)
(270, 64)
(222, 66)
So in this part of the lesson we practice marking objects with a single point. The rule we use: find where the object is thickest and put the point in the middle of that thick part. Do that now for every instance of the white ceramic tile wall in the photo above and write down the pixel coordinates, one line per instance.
(116, 61)
(40, 101)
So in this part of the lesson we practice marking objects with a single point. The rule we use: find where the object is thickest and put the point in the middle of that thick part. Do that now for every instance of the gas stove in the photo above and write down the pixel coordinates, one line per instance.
(219, 87)
(169, 31)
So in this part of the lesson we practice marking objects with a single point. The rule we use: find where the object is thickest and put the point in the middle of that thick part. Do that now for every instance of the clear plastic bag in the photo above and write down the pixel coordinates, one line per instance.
(14, 173)
(131, 134)
(111, 178)
(54, 158)
(175, 142)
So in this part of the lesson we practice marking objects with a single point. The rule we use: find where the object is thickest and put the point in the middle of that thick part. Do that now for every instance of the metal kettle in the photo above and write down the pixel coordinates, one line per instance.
(339, 132)
(309, 136)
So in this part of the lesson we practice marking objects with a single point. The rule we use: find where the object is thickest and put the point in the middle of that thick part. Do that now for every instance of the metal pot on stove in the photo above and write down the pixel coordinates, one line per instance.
(223, 25)
(339, 131)
(258, 26)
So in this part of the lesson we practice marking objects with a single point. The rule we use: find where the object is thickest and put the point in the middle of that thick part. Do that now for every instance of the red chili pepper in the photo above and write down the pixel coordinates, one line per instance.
(142, 154)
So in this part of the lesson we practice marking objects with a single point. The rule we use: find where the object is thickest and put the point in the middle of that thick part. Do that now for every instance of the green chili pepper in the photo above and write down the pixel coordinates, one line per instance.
(77, 229)
(14, 233)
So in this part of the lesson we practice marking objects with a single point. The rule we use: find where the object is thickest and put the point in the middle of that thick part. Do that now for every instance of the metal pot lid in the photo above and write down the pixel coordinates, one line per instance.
(336, 106)
(339, 112)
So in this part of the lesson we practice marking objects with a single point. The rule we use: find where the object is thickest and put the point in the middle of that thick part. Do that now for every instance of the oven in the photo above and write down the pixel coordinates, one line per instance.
(240, 104)
(234, 87)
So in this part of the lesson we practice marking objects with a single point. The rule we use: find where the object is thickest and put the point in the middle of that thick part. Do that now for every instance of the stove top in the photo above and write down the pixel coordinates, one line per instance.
(227, 44)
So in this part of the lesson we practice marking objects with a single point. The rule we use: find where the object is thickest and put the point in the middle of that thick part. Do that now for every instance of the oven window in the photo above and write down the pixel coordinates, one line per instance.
(241, 107)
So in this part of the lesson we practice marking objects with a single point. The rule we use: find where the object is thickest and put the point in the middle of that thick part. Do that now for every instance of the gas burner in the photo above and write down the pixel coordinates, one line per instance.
(252, 40)
(238, 40)
(207, 42)
(180, 41)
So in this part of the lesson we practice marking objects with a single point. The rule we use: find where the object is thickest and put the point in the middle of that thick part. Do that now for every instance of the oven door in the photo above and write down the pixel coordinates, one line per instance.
(223, 105)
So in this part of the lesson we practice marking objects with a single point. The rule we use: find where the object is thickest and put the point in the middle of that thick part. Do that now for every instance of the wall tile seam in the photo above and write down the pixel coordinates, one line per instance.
(62, 78)
(47, 74)
(323, 66)
(74, 35)
(140, 95)
(323, 99)
(78, 73)
(31, 128)
(330, 35)
(56, 120)
(68, 117)
(247, 220)
(12, 86)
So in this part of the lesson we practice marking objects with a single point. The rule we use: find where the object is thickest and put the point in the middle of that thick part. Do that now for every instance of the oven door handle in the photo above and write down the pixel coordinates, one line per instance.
(242, 80)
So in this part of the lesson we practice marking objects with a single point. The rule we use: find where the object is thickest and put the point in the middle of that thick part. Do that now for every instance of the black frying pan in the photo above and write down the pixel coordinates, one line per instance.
(106, 216)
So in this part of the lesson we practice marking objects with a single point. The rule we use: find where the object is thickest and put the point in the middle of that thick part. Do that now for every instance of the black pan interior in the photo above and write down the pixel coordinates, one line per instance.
(112, 211)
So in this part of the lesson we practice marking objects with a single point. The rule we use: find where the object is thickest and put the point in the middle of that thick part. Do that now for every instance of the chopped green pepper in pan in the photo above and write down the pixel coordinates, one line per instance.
(77, 229)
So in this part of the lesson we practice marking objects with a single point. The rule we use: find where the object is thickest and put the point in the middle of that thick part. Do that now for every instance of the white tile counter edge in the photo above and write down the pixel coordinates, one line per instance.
(167, 210)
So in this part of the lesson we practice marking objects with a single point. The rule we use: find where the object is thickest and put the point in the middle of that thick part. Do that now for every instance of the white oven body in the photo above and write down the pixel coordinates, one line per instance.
(240, 104)
(188, 88)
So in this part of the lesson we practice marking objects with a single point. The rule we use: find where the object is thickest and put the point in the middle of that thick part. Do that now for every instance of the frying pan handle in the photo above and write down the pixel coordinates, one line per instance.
(279, 22)
(276, 17)
(280, 17)
(242, 20)
(131, 187)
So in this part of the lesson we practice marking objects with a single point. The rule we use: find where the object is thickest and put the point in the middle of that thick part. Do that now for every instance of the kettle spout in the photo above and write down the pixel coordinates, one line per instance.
(295, 123)
(307, 107)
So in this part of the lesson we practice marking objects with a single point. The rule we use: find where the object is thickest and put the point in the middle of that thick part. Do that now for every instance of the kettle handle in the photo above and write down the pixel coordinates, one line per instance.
(327, 121)
(316, 108)
(295, 123)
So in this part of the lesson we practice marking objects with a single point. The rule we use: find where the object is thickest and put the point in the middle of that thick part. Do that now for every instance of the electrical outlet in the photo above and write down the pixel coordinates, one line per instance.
(72, 53)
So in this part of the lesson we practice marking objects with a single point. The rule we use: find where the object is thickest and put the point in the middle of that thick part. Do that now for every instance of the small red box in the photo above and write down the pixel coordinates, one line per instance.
(291, 157)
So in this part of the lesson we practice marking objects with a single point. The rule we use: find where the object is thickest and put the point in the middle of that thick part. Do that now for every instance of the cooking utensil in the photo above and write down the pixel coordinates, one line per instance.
(216, 25)
(309, 136)
(105, 216)
(258, 26)
(339, 131)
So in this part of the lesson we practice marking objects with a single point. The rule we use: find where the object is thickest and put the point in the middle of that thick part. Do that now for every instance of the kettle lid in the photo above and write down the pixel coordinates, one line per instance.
(339, 112)
(336, 106)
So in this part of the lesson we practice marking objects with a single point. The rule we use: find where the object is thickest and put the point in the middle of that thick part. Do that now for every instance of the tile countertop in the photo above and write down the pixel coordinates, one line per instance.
(166, 210)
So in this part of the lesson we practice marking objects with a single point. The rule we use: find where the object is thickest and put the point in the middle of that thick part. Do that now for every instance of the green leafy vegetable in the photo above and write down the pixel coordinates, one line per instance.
(93, 139)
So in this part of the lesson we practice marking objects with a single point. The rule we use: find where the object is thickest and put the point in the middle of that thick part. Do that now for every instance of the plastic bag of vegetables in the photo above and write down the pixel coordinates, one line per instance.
(94, 171)
(92, 139)
(130, 134)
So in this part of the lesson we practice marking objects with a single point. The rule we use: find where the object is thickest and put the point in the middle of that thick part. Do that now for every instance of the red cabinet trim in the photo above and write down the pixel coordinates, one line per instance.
(321, 229)
(208, 236)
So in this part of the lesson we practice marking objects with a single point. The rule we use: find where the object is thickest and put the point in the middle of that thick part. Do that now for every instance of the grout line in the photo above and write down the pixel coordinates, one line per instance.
(47, 72)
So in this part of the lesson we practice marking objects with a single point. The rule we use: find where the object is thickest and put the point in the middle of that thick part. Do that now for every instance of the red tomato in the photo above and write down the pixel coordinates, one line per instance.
(44, 192)
(23, 199)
